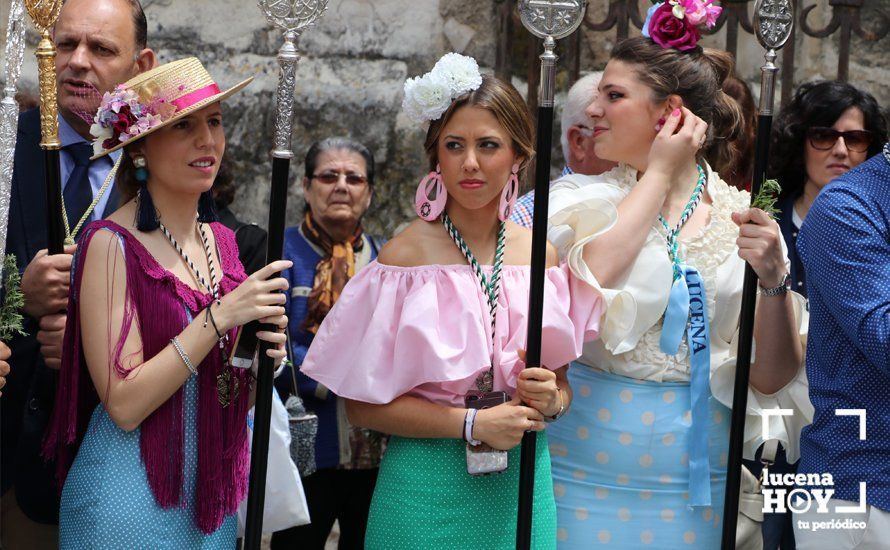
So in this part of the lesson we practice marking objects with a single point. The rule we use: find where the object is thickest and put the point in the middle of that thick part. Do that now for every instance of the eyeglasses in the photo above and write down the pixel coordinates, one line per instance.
(824, 139)
(330, 178)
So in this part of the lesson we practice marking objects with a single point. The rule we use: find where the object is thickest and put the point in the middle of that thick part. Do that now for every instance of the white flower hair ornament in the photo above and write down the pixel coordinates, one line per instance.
(430, 95)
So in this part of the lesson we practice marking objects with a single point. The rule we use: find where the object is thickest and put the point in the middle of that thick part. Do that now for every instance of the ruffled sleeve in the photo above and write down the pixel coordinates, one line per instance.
(794, 396)
(588, 205)
(426, 331)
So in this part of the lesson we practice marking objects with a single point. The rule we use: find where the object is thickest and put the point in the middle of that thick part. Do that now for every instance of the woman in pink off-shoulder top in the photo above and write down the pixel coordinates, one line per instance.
(442, 315)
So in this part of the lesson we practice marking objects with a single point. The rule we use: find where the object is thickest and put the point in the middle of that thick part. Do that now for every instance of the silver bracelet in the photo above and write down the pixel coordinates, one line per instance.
(184, 356)
(469, 423)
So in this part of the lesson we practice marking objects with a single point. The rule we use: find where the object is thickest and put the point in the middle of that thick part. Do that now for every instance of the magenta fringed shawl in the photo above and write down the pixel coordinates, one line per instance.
(157, 301)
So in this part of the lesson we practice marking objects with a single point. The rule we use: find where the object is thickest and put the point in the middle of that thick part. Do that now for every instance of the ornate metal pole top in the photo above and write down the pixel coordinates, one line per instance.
(15, 32)
(293, 16)
(44, 12)
(773, 21)
(552, 18)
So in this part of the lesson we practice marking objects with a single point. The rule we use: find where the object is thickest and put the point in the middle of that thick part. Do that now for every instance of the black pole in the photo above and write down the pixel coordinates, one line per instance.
(259, 452)
(743, 361)
(773, 25)
(535, 317)
(55, 229)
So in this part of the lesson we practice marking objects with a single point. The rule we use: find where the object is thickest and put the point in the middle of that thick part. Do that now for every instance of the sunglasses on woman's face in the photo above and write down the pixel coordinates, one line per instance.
(824, 139)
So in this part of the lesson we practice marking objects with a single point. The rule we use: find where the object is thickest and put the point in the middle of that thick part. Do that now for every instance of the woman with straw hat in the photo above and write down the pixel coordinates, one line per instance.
(149, 430)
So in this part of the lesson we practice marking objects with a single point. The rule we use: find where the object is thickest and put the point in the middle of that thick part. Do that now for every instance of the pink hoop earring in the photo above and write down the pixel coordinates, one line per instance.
(429, 208)
(509, 195)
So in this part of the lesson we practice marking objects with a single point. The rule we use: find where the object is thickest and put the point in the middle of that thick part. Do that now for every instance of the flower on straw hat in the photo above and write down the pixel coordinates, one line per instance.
(120, 117)
(430, 95)
(153, 99)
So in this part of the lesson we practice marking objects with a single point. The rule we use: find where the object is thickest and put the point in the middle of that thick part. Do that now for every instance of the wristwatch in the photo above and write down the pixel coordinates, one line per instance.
(779, 290)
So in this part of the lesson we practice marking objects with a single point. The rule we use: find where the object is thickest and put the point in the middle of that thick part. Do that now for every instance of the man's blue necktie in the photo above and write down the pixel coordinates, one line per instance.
(78, 193)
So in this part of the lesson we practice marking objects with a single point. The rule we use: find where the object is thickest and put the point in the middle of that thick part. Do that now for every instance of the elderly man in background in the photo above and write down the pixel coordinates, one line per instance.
(577, 142)
(100, 44)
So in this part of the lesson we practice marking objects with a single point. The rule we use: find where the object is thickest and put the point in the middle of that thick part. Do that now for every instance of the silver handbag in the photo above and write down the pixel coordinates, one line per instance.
(303, 425)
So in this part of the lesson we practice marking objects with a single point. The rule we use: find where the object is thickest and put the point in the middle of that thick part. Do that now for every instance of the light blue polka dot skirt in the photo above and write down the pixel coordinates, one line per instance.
(621, 466)
(107, 503)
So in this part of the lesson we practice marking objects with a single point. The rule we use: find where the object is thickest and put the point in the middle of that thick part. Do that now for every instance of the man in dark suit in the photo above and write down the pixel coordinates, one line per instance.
(100, 43)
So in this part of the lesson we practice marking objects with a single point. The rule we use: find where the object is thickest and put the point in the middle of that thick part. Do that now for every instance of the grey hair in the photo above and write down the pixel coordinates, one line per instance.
(339, 144)
(580, 96)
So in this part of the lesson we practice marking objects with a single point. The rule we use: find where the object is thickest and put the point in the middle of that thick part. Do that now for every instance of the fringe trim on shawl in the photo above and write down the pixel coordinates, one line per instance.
(155, 299)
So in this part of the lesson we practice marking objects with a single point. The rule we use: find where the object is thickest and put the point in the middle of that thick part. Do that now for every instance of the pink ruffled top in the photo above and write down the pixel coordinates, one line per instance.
(426, 331)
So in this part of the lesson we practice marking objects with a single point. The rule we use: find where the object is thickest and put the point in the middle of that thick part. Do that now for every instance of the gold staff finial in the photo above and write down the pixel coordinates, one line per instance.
(44, 13)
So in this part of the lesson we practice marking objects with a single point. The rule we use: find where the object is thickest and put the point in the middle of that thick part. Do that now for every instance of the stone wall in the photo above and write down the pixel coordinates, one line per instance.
(355, 61)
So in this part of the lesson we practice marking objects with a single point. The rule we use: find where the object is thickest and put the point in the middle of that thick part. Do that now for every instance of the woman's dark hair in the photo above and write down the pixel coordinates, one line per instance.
(735, 163)
(338, 144)
(817, 104)
(223, 186)
(696, 76)
(125, 180)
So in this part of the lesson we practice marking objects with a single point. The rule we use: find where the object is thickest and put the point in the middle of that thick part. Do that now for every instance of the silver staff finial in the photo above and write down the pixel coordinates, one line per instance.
(553, 18)
(550, 20)
(293, 15)
(9, 109)
(773, 21)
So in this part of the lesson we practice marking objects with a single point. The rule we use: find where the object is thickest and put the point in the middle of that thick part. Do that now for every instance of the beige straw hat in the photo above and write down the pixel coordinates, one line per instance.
(152, 100)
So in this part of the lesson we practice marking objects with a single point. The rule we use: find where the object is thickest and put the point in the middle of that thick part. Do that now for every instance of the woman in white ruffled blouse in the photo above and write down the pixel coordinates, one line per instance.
(641, 457)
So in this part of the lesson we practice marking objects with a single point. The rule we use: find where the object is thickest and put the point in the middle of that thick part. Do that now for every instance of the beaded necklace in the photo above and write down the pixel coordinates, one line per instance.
(227, 386)
(673, 241)
(491, 288)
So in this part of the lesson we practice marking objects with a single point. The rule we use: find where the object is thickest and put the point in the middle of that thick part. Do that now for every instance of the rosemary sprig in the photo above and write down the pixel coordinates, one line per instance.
(10, 312)
(766, 198)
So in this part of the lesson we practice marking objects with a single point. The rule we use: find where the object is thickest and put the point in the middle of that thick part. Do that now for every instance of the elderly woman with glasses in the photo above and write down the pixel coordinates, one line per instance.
(328, 249)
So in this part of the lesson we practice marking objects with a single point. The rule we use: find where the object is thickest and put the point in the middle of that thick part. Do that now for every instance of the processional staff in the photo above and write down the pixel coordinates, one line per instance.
(292, 17)
(550, 20)
(9, 110)
(44, 13)
(773, 21)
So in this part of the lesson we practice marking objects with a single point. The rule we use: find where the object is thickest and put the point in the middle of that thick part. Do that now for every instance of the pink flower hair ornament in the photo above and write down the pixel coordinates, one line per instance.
(676, 23)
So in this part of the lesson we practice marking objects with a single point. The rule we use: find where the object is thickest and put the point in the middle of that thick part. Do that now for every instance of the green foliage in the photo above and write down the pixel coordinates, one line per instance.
(10, 312)
(767, 197)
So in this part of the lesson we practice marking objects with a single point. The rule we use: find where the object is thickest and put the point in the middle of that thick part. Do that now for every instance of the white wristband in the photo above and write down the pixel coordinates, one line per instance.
(469, 420)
